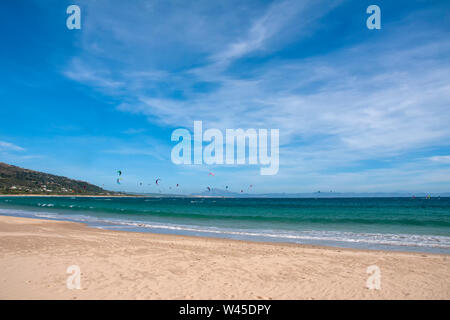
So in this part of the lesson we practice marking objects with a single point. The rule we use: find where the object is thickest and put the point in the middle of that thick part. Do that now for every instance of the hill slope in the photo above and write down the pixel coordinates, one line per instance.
(16, 180)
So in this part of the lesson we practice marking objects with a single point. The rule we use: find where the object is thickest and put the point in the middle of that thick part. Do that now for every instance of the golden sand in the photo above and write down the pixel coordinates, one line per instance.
(35, 255)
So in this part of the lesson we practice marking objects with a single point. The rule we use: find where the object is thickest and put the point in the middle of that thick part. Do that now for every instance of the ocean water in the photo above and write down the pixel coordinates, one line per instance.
(404, 224)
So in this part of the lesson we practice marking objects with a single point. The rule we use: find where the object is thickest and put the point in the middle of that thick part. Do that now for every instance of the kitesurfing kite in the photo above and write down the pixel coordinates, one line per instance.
(209, 189)
(119, 172)
(118, 180)
(157, 181)
(211, 174)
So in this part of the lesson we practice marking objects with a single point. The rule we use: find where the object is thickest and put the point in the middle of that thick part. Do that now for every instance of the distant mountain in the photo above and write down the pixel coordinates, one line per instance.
(217, 193)
(225, 193)
(16, 180)
(354, 195)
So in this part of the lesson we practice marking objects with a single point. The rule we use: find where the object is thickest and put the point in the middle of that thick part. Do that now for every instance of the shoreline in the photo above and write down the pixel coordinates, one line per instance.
(71, 196)
(246, 196)
(109, 196)
(212, 238)
(199, 237)
(35, 254)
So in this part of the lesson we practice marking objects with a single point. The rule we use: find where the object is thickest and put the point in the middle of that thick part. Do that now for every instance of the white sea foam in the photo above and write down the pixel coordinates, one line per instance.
(311, 235)
(301, 236)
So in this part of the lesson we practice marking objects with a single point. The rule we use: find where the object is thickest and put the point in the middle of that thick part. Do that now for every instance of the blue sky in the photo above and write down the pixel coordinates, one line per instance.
(358, 110)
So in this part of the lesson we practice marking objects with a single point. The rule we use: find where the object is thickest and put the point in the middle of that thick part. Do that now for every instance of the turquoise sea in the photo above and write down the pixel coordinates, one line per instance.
(407, 224)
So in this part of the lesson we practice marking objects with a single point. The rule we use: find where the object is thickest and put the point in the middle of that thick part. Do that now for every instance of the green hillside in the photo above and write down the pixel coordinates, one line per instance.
(16, 180)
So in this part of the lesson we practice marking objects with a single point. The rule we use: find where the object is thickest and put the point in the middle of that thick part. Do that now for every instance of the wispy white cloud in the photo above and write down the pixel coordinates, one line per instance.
(440, 159)
(7, 146)
(388, 110)
(372, 100)
(134, 131)
(81, 72)
(273, 23)
(133, 151)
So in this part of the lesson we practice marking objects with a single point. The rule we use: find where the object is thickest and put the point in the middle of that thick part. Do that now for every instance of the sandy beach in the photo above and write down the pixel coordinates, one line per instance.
(35, 255)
